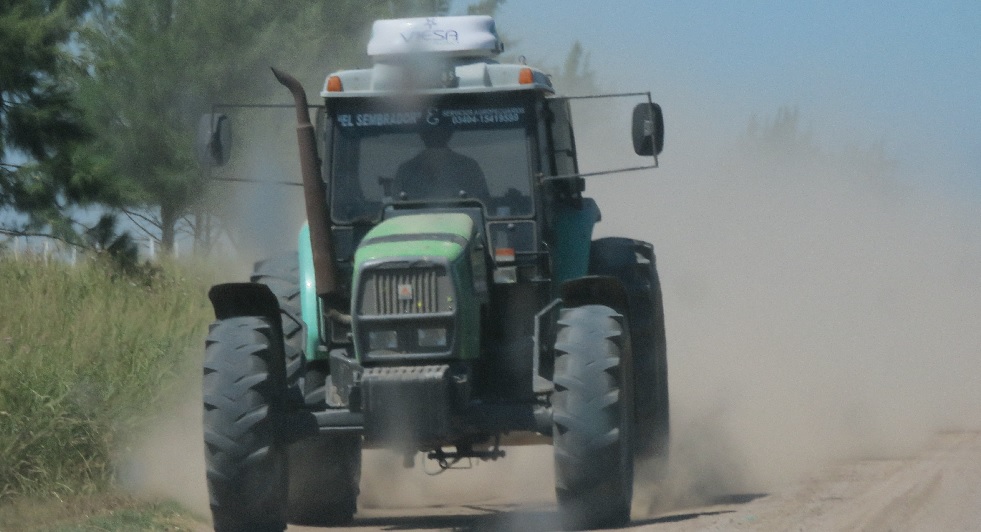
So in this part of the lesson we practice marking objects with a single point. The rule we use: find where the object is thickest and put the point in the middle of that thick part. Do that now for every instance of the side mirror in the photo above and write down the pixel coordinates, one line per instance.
(648, 129)
(214, 142)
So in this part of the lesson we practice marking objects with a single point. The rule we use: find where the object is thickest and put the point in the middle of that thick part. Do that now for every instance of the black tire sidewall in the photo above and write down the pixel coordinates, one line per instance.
(244, 418)
(594, 475)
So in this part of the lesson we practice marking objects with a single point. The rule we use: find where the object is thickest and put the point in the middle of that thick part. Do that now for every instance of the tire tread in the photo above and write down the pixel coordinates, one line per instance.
(593, 465)
(243, 416)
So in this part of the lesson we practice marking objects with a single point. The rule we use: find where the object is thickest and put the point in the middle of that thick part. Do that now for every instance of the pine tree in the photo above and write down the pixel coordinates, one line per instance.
(40, 124)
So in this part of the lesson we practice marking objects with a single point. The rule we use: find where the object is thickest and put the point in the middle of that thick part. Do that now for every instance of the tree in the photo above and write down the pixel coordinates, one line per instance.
(156, 65)
(485, 7)
(783, 142)
(40, 124)
(782, 138)
(576, 77)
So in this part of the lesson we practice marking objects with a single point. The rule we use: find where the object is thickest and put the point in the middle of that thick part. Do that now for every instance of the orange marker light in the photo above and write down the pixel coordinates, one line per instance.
(504, 254)
(334, 84)
(526, 77)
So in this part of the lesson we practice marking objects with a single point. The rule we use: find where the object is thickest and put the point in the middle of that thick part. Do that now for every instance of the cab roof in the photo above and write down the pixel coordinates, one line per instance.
(435, 55)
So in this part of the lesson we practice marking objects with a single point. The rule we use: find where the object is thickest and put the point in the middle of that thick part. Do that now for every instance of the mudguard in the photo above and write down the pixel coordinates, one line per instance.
(574, 232)
(595, 290)
(233, 300)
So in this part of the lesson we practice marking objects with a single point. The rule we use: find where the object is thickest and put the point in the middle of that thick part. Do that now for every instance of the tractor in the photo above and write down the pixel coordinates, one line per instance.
(446, 296)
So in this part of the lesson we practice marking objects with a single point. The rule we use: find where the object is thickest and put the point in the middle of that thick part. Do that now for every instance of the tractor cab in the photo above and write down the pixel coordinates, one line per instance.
(438, 124)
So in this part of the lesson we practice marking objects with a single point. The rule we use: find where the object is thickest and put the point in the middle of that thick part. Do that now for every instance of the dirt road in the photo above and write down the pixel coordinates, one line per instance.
(939, 488)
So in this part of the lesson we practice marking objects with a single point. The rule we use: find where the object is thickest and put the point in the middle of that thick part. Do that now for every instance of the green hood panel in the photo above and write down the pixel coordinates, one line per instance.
(443, 235)
(422, 242)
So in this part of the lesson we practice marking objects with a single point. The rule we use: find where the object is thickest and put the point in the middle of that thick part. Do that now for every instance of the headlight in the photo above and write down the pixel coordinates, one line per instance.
(432, 337)
(383, 340)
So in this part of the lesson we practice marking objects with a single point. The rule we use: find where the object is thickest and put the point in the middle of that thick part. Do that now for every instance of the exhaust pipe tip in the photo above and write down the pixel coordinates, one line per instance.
(299, 95)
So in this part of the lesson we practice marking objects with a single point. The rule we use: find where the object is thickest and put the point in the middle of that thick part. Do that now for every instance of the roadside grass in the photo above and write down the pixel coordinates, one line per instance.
(98, 513)
(88, 354)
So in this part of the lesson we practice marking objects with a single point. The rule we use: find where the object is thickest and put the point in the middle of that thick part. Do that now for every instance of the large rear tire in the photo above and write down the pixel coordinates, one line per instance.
(325, 472)
(282, 275)
(634, 264)
(244, 416)
(592, 409)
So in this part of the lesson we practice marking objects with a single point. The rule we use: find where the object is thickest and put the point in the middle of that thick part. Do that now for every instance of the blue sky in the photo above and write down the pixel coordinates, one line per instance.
(907, 74)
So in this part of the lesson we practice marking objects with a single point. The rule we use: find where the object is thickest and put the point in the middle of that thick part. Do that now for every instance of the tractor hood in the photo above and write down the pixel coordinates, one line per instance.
(436, 235)
(419, 281)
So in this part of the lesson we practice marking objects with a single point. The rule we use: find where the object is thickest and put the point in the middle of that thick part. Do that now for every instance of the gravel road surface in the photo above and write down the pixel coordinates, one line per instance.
(937, 488)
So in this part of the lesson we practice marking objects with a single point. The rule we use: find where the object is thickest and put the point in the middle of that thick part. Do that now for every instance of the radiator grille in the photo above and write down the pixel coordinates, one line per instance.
(402, 292)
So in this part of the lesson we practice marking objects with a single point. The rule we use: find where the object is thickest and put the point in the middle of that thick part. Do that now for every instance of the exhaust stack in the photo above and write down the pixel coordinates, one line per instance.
(315, 195)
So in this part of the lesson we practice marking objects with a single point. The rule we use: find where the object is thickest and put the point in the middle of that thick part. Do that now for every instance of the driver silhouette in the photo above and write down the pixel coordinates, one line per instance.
(437, 172)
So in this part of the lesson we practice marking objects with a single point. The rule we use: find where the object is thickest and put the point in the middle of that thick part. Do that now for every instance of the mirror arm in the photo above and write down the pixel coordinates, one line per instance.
(547, 178)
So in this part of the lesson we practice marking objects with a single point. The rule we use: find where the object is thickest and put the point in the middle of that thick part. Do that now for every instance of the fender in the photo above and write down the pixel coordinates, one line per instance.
(595, 289)
(233, 300)
(574, 230)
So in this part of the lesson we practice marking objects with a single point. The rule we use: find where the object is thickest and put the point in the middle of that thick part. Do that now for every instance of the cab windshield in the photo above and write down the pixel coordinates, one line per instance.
(443, 151)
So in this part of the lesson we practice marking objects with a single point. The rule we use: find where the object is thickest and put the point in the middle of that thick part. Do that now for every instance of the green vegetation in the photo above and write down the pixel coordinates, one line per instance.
(87, 354)
(40, 121)
(100, 101)
(137, 52)
(100, 513)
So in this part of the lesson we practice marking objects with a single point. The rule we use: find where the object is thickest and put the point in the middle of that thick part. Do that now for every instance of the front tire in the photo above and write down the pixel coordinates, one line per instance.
(325, 472)
(244, 416)
(592, 412)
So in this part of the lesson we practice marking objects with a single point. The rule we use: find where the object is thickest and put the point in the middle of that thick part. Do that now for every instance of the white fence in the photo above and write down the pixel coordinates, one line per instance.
(52, 249)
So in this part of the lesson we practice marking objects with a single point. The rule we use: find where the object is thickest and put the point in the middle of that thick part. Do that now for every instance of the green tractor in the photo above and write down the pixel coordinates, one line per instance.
(446, 296)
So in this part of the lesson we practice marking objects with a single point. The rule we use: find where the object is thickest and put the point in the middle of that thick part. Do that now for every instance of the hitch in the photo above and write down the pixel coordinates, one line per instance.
(447, 460)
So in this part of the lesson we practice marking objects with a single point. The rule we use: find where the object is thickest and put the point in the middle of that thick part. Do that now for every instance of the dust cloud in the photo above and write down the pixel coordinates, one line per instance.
(166, 461)
(523, 476)
(821, 305)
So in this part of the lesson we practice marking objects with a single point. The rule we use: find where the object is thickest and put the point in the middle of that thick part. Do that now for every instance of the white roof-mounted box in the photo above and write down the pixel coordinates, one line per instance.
(457, 37)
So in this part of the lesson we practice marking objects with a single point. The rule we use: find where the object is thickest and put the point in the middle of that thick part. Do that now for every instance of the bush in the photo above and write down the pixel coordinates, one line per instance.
(87, 352)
